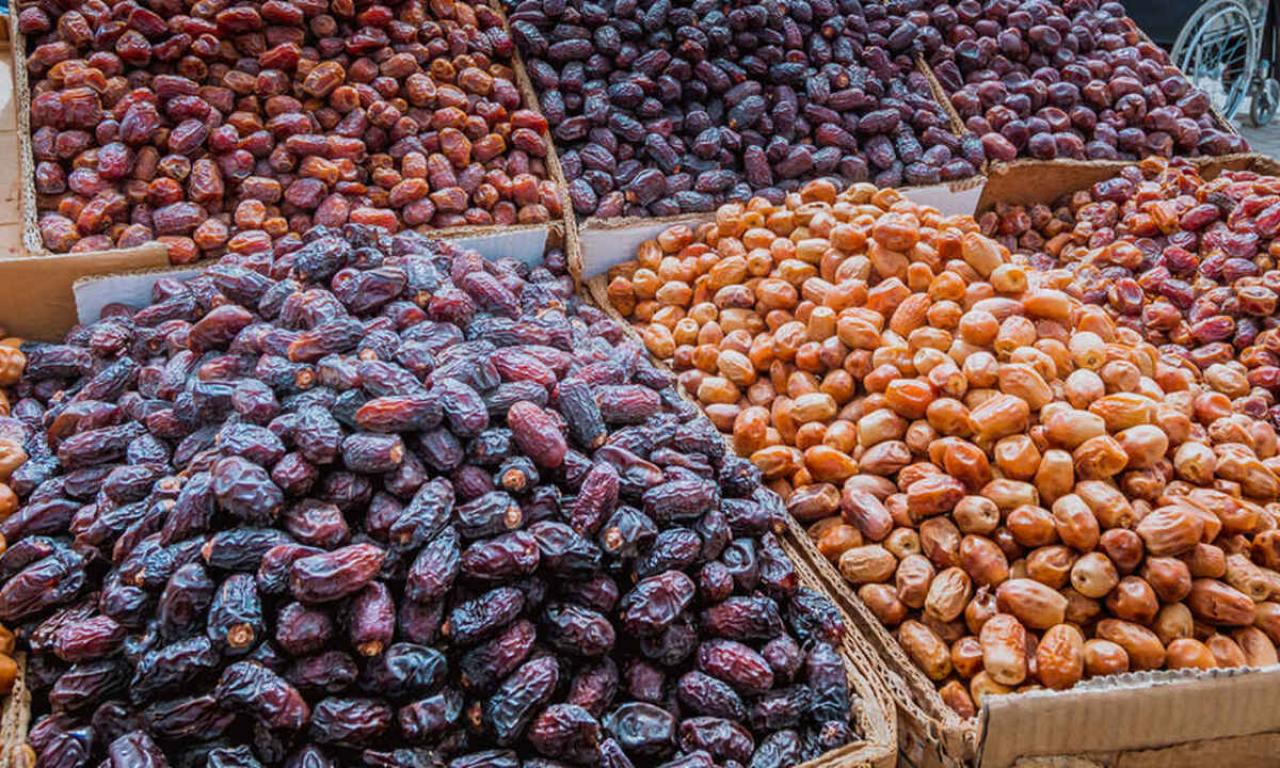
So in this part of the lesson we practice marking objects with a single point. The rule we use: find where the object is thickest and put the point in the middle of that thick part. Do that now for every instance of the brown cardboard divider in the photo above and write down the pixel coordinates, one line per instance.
(36, 298)
(1173, 718)
(26, 160)
(1135, 712)
(1027, 182)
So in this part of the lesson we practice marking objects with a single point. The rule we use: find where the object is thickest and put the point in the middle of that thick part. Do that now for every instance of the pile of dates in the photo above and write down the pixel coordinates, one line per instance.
(1188, 263)
(380, 502)
(1071, 79)
(677, 106)
(220, 127)
(1025, 492)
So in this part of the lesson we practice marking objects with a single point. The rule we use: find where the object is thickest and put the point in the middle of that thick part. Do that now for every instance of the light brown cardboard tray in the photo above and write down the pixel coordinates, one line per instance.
(35, 293)
(1222, 719)
(1026, 182)
(36, 286)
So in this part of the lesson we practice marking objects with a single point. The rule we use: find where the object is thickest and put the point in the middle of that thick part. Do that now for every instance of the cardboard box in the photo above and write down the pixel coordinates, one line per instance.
(874, 715)
(1178, 718)
(1171, 719)
(36, 299)
(954, 197)
(35, 294)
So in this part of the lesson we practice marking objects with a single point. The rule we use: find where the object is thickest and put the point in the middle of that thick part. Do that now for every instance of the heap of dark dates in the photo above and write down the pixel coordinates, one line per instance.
(675, 106)
(1071, 79)
(380, 502)
(1187, 262)
(226, 127)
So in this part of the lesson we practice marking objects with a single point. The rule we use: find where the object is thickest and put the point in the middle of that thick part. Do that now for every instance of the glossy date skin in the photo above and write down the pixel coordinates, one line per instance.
(683, 105)
(397, 537)
(219, 130)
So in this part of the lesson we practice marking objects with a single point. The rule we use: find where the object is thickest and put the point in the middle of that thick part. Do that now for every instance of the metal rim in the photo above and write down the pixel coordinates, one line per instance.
(1262, 107)
(1217, 51)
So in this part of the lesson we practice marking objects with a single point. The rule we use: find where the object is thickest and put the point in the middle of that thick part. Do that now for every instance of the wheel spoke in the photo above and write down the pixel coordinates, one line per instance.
(1215, 52)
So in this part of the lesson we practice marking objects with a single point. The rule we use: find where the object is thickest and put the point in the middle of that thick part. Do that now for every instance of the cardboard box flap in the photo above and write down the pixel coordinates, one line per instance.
(50, 279)
(606, 244)
(1027, 182)
(1128, 712)
(956, 199)
(131, 288)
(524, 244)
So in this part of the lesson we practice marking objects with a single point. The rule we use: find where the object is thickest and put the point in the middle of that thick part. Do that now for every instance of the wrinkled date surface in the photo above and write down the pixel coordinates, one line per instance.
(380, 502)
(1188, 263)
(1075, 79)
(678, 106)
(231, 127)
(1024, 490)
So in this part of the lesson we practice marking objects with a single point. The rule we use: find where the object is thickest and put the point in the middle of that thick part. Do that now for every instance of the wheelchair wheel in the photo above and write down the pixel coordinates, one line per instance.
(1218, 50)
(1262, 107)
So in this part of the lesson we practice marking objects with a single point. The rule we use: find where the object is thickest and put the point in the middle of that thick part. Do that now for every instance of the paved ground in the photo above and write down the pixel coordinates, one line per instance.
(1265, 141)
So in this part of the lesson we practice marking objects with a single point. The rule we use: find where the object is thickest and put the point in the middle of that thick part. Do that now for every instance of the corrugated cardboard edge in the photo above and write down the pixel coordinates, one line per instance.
(1028, 181)
(931, 735)
(1133, 712)
(530, 97)
(877, 719)
(15, 717)
(36, 293)
(26, 161)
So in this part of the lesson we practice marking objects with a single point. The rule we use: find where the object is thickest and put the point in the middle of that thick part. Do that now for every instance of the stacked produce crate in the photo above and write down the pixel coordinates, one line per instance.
(829, 358)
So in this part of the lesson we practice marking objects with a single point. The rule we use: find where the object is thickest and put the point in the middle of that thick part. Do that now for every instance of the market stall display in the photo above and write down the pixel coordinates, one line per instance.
(773, 437)
(385, 501)
(228, 129)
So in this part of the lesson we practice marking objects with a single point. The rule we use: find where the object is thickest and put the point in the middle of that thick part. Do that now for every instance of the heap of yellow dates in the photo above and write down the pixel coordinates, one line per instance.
(1025, 492)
